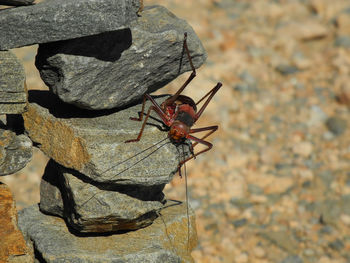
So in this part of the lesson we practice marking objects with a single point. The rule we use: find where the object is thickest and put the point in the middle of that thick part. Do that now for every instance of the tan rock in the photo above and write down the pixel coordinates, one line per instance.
(343, 24)
(304, 30)
(94, 143)
(13, 247)
(303, 148)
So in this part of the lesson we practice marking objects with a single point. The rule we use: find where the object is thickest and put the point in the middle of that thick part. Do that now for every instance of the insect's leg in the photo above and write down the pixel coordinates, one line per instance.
(143, 126)
(173, 98)
(211, 130)
(158, 110)
(142, 110)
(211, 95)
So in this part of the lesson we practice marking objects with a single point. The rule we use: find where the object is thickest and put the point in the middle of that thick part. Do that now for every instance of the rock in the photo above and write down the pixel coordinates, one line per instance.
(163, 241)
(13, 91)
(336, 245)
(330, 211)
(53, 20)
(239, 222)
(51, 201)
(13, 247)
(304, 30)
(282, 239)
(303, 149)
(97, 208)
(327, 10)
(15, 152)
(343, 23)
(342, 41)
(116, 68)
(336, 125)
(16, 2)
(286, 69)
(93, 143)
(343, 96)
(317, 116)
(292, 259)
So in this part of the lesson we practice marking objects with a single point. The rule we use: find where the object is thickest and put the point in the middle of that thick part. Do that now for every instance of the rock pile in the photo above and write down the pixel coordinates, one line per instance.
(98, 59)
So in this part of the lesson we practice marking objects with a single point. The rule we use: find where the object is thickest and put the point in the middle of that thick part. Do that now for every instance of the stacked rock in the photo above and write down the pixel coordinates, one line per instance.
(98, 58)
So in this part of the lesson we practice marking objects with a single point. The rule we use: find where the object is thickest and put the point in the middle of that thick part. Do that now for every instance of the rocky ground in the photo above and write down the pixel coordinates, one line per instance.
(276, 185)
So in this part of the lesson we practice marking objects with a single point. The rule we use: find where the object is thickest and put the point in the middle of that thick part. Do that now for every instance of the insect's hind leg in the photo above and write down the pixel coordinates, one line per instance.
(210, 95)
(173, 98)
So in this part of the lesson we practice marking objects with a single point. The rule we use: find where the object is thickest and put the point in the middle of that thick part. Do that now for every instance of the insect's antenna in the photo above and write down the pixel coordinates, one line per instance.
(144, 150)
(187, 206)
(130, 165)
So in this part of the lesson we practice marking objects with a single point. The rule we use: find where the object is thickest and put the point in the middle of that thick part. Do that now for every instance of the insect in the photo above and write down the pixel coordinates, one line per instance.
(179, 113)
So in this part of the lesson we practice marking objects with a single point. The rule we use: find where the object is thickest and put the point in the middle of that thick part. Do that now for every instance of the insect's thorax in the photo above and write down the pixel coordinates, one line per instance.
(185, 114)
(182, 121)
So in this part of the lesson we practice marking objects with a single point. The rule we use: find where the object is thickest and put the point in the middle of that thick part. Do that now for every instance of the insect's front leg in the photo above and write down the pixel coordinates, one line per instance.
(154, 107)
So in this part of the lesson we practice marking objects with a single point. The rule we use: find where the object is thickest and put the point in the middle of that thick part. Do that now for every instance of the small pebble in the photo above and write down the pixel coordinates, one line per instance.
(292, 259)
(259, 252)
(286, 69)
(303, 149)
(240, 222)
(336, 245)
(342, 41)
(336, 125)
(242, 258)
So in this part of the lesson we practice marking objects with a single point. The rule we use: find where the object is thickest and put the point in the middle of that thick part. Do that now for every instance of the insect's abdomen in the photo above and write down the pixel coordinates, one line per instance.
(186, 115)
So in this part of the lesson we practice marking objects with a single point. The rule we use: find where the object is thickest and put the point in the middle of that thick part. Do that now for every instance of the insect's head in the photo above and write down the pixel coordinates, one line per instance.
(178, 131)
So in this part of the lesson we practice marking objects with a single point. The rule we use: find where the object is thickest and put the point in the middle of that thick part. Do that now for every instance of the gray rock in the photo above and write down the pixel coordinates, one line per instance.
(286, 69)
(342, 41)
(15, 152)
(336, 125)
(292, 259)
(53, 20)
(97, 208)
(336, 245)
(282, 239)
(163, 241)
(93, 143)
(51, 201)
(13, 92)
(116, 68)
(16, 2)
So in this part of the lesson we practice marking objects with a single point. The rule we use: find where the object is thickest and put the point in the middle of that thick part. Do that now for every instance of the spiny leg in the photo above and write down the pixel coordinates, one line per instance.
(154, 107)
(211, 130)
(211, 94)
(173, 98)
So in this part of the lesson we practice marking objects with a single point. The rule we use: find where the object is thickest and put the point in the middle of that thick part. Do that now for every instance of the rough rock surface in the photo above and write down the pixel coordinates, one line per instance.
(16, 2)
(116, 68)
(97, 208)
(93, 143)
(15, 152)
(53, 20)
(13, 247)
(13, 91)
(163, 241)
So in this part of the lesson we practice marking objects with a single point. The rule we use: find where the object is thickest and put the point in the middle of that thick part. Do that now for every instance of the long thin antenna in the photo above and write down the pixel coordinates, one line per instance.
(187, 205)
(115, 165)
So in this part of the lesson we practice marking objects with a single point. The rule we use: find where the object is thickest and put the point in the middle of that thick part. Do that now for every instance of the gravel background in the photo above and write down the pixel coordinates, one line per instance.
(276, 185)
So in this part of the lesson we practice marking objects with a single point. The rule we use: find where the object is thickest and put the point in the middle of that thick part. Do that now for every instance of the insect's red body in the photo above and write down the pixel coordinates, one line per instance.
(179, 113)
(180, 117)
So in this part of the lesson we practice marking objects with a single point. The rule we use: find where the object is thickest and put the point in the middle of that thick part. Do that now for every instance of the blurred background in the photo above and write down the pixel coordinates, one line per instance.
(276, 185)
